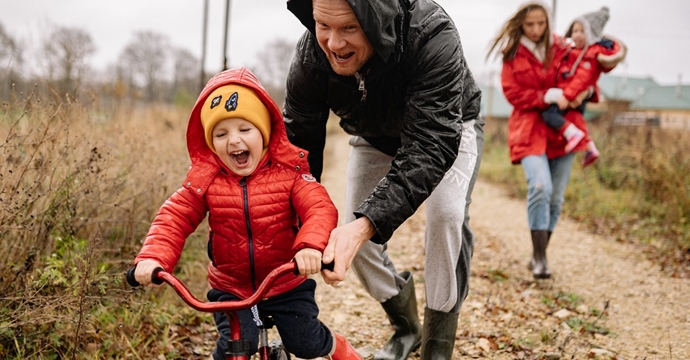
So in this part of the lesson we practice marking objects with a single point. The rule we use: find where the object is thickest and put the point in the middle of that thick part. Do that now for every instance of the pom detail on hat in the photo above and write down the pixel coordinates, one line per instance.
(234, 101)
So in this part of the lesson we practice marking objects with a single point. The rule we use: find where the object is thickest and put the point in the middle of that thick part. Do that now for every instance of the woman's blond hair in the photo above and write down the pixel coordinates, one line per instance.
(508, 38)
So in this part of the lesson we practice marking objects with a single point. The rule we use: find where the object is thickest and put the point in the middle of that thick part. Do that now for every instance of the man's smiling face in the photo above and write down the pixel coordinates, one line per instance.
(341, 37)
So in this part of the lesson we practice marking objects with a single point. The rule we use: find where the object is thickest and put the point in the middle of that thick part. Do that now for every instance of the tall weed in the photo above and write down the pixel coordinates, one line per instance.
(78, 189)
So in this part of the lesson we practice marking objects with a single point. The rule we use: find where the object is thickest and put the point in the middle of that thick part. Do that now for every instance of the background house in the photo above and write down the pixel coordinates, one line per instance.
(668, 106)
(626, 101)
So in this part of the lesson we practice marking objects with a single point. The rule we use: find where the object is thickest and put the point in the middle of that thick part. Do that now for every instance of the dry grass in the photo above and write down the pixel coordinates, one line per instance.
(79, 187)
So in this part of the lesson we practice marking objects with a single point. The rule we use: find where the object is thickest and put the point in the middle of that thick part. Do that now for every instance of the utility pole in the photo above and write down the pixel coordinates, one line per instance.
(227, 29)
(203, 46)
(553, 16)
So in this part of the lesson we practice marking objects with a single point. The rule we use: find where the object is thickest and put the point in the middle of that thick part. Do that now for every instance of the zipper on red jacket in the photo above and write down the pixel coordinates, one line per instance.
(245, 201)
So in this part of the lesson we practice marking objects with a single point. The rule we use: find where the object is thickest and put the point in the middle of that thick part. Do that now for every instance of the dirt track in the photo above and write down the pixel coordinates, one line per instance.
(507, 315)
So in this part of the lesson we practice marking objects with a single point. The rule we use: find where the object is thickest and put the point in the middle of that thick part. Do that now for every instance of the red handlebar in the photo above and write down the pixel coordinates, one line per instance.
(226, 306)
(160, 276)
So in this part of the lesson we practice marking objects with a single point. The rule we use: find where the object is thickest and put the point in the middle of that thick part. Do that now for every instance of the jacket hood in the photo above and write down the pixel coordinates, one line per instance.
(381, 21)
(279, 147)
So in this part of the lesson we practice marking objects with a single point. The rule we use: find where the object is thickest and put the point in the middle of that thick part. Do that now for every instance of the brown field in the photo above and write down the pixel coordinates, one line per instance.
(80, 185)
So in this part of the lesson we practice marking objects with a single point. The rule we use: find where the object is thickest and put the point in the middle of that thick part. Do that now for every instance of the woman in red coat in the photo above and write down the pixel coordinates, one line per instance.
(531, 54)
(264, 209)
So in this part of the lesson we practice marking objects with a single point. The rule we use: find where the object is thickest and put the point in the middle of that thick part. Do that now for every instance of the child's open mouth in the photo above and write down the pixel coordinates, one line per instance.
(241, 157)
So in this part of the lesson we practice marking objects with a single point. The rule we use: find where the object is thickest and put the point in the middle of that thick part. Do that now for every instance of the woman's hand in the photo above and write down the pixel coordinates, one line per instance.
(562, 103)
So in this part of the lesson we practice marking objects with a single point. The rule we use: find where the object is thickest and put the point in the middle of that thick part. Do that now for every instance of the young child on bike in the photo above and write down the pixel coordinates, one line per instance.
(264, 209)
(590, 55)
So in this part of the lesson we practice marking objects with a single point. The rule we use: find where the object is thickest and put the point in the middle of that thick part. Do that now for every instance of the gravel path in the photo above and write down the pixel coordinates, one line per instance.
(604, 301)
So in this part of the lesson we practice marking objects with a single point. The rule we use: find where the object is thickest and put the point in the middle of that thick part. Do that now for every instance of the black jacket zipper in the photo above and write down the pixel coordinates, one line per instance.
(361, 87)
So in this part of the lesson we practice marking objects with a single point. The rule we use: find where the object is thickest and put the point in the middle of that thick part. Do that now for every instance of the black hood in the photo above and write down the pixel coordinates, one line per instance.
(381, 21)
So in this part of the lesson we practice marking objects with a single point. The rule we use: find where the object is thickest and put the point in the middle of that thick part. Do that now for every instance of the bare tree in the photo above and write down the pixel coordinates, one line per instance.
(10, 62)
(273, 65)
(185, 75)
(10, 53)
(117, 89)
(145, 57)
(66, 50)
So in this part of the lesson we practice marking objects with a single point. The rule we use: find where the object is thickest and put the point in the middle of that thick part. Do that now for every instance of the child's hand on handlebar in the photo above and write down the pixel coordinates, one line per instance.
(144, 270)
(308, 261)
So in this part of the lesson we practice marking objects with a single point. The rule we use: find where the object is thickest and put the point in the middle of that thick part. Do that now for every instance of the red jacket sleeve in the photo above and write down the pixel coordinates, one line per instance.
(515, 80)
(316, 211)
(179, 216)
(608, 60)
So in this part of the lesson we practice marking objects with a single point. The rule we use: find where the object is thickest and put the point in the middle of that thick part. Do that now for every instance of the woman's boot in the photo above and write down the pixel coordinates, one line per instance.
(438, 337)
(539, 265)
(402, 314)
(343, 349)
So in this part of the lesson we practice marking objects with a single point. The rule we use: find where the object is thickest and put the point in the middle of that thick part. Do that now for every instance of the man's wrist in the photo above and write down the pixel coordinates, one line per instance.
(366, 228)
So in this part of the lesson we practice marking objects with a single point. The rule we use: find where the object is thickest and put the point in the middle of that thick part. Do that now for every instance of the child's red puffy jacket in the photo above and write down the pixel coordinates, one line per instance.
(588, 71)
(253, 221)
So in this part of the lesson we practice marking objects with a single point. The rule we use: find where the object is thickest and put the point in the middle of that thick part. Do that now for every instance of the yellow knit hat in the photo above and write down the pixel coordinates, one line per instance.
(234, 101)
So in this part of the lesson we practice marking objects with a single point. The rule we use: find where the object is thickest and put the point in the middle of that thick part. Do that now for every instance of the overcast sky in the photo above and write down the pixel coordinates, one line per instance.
(657, 32)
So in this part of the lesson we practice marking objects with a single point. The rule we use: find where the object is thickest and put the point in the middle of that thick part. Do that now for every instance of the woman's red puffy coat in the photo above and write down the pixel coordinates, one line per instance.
(253, 221)
(525, 80)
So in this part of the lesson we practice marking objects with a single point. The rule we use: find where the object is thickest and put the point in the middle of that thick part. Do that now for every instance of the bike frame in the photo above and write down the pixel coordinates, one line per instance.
(236, 346)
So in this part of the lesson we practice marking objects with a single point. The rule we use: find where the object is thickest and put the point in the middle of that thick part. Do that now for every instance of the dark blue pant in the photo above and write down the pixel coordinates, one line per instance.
(294, 315)
(553, 116)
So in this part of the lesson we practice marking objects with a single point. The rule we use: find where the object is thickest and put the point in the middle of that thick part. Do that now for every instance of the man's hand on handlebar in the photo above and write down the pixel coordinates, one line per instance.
(144, 270)
(343, 245)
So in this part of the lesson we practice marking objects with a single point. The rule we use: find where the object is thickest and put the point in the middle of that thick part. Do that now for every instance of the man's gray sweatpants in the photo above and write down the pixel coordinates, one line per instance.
(449, 241)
